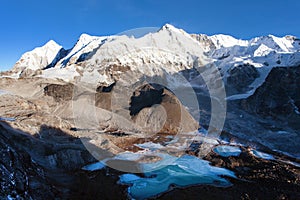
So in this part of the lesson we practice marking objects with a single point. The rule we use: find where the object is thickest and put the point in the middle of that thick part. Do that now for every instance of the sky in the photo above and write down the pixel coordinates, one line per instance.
(31, 23)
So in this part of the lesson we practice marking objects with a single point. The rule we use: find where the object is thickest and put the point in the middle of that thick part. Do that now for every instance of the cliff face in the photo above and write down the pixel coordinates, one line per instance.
(155, 106)
(19, 174)
(48, 166)
(278, 97)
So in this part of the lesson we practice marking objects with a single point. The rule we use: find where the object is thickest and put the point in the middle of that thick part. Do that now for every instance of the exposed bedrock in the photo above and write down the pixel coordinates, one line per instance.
(153, 105)
(278, 97)
(59, 92)
(240, 77)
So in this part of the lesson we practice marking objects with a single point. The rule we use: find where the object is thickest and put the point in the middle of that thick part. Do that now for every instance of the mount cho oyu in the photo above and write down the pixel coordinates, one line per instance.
(121, 92)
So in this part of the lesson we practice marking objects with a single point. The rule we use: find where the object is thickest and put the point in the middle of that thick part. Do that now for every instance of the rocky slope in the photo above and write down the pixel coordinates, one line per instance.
(49, 165)
(278, 96)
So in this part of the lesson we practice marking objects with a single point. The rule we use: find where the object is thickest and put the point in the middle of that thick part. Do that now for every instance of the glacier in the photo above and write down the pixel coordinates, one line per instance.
(184, 171)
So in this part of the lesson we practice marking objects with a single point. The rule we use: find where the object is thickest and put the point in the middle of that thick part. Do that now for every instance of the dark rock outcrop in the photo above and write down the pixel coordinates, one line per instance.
(103, 96)
(48, 166)
(60, 92)
(240, 77)
(157, 106)
(147, 96)
(20, 175)
(278, 97)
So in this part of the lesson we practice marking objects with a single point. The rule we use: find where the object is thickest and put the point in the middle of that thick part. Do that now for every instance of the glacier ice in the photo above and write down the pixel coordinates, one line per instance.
(94, 166)
(226, 151)
(262, 155)
(184, 171)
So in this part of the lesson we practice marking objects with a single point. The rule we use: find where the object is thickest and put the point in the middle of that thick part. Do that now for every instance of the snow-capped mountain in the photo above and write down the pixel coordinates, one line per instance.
(98, 59)
(85, 44)
(100, 100)
(39, 57)
(258, 55)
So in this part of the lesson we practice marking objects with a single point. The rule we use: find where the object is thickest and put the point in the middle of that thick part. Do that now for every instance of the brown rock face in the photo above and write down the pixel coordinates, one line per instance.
(59, 92)
(103, 97)
(152, 108)
(158, 110)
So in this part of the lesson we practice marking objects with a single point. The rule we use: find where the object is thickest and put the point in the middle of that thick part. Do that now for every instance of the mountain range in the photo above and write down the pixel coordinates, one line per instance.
(183, 109)
(169, 48)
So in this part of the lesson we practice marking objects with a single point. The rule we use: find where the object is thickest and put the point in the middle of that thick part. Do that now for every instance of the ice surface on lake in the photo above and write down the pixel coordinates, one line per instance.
(227, 151)
(183, 171)
(94, 166)
(262, 155)
(163, 161)
(150, 145)
(126, 178)
(128, 155)
(7, 119)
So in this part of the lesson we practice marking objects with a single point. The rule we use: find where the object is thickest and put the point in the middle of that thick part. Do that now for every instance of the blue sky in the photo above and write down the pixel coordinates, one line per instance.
(31, 23)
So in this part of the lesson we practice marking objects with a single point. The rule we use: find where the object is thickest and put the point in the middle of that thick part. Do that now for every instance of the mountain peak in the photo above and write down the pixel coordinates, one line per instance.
(172, 29)
(39, 57)
(52, 44)
(85, 36)
(169, 27)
